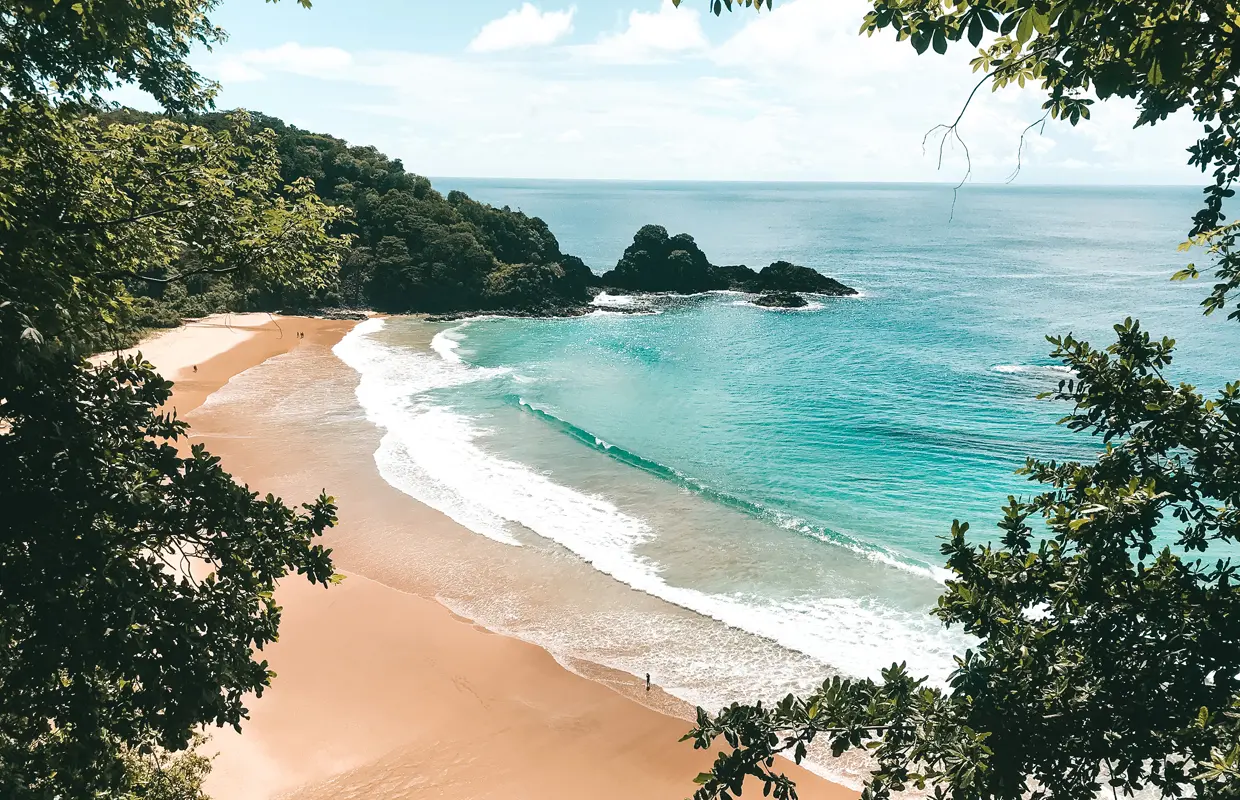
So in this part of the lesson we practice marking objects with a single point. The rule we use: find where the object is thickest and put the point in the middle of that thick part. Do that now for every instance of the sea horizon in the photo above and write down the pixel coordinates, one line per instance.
(949, 184)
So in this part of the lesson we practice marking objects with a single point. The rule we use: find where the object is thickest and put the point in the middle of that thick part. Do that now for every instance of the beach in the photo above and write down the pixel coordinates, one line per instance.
(380, 690)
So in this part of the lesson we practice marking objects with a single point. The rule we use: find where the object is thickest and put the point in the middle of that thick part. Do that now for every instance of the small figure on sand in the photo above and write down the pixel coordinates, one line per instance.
(647, 681)
(195, 368)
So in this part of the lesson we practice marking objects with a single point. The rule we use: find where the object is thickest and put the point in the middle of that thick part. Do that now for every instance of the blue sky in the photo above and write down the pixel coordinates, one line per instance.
(639, 90)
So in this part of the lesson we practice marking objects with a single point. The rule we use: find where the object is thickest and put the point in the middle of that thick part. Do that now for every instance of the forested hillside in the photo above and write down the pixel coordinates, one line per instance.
(413, 249)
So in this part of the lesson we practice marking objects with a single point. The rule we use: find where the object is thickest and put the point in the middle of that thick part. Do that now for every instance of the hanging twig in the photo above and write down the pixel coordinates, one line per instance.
(954, 130)
(1020, 148)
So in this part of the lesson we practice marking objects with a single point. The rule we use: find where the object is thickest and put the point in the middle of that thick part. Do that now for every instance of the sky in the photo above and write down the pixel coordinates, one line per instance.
(640, 90)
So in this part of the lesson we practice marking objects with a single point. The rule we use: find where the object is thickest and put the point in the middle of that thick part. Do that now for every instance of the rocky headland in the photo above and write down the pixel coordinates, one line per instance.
(781, 300)
(657, 262)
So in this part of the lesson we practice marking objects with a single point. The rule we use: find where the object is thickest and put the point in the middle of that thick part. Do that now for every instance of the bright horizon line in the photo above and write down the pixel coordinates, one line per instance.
(819, 182)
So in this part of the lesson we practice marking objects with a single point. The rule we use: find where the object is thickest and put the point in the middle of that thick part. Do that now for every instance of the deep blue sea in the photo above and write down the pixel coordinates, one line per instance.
(789, 474)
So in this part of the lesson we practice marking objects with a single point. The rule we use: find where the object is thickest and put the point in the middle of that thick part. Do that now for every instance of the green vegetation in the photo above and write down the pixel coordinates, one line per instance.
(159, 775)
(417, 250)
(412, 249)
(656, 262)
(136, 577)
(1108, 661)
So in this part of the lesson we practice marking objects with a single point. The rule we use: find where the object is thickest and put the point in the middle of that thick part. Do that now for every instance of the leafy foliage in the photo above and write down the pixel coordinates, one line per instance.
(1103, 657)
(90, 204)
(74, 50)
(717, 6)
(159, 775)
(1109, 647)
(135, 580)
(417, 250)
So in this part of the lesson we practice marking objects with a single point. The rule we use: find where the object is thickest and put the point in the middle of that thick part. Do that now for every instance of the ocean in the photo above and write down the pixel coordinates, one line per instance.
(743, 501)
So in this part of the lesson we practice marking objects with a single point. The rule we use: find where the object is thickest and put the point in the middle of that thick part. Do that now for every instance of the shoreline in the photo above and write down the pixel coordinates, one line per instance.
(592, 307)
(385, 692)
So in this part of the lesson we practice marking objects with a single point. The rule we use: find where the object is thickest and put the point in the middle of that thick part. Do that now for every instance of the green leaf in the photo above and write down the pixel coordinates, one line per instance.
(1041, 22)
(1024, 28)
(976, 30)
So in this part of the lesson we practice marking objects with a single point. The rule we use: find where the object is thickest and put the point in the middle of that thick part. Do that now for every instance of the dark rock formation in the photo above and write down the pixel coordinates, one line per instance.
(739, 278)
(785, 277)
(781, 300)
(340, 313)
(656, 262)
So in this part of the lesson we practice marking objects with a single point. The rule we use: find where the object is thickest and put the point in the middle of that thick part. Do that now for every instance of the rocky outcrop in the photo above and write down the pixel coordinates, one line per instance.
(739, 278)
(783, 276)
(340, 313)
(781, 300)
(656, 262)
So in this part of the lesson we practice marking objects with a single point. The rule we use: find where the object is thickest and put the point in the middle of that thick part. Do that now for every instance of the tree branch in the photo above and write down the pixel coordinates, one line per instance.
(1021, 147)
(954, 130)
(171, 278)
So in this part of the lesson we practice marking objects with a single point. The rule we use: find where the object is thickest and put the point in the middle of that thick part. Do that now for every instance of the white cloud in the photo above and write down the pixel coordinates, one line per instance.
(526, 27)
(650, 36)
(234, 70)
(790, 95)
(290, 57)
(814, 36)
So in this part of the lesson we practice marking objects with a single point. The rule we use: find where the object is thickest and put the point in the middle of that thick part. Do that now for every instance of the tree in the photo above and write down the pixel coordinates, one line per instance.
(90, 205)
(167, 776)
(135, 581)
(72, 51)
(1109, 646)
(414, 248)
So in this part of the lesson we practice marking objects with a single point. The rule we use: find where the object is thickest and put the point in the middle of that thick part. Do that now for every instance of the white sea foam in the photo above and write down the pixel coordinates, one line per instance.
(614, 300)
(621, 305)
(391, 392)
(812, 305)
(861, 294)
(1032, 369)
(644, 312)
(875, 554)
(432, 454)
(446, 343)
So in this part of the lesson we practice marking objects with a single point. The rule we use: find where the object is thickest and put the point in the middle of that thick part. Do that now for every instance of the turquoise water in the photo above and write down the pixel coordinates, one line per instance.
(788, 474)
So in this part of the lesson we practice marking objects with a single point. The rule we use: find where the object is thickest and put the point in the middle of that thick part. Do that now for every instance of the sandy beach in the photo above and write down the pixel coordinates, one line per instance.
(382, 693)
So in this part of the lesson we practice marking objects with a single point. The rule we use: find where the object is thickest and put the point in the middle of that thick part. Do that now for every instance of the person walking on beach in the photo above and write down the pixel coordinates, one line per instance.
(647, 681)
